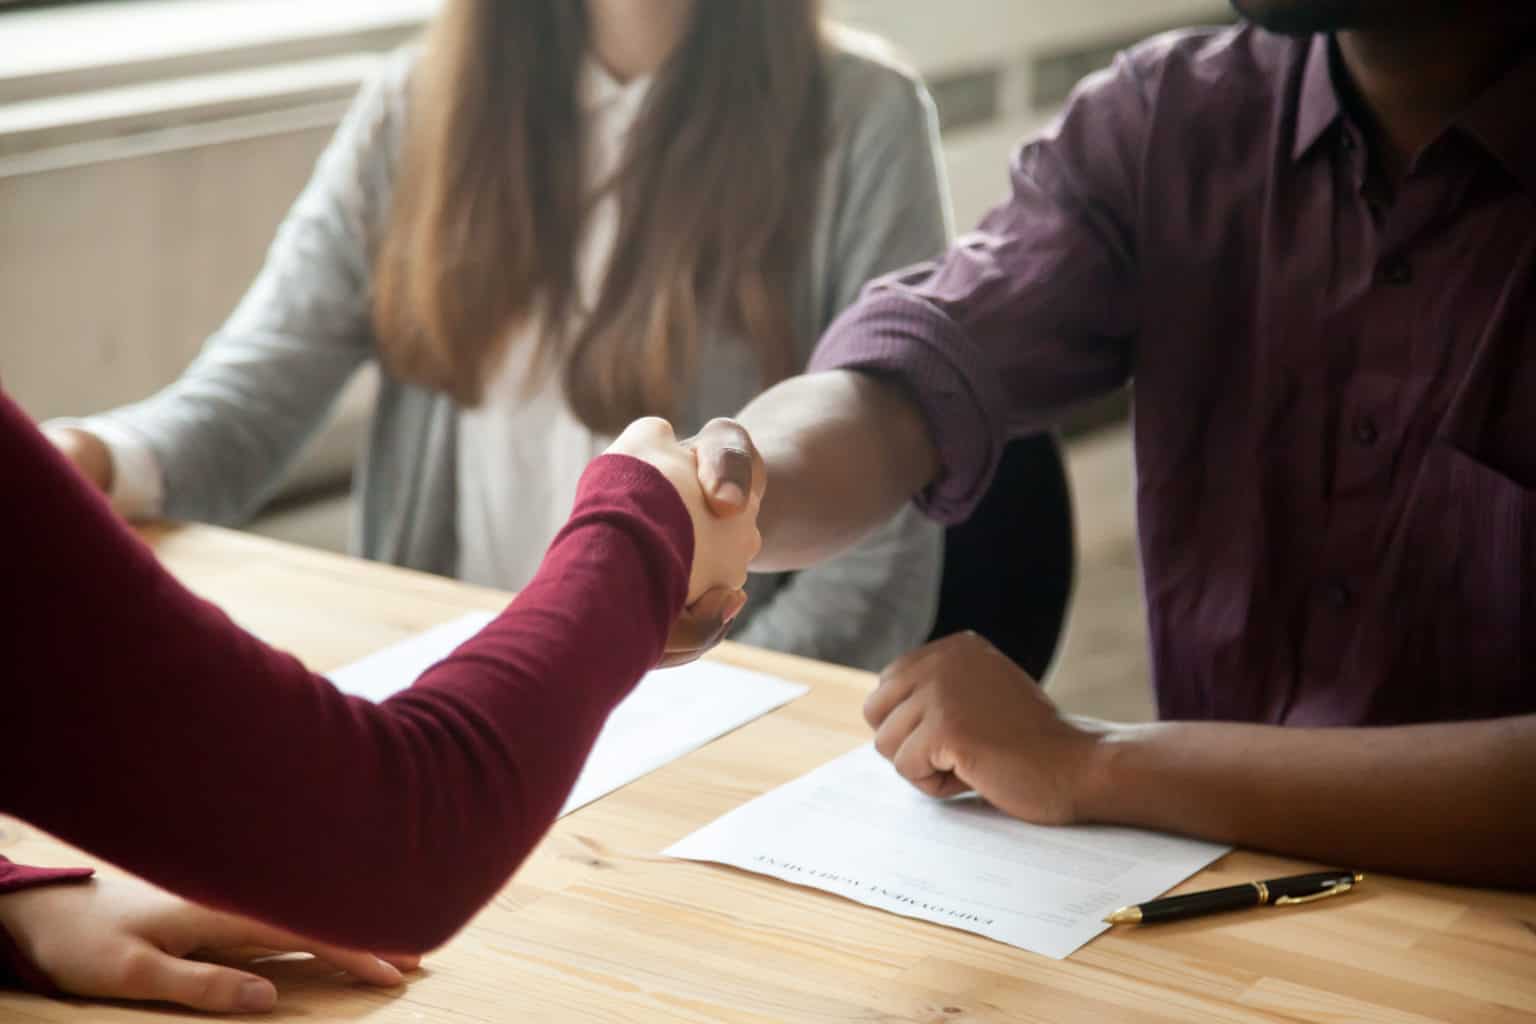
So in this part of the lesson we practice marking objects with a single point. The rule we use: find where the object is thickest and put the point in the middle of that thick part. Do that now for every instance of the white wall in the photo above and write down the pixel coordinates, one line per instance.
(132, 216)
(113, 271)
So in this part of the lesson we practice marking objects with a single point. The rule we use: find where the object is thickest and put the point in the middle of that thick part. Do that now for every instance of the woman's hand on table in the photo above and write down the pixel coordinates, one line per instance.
(121, 938)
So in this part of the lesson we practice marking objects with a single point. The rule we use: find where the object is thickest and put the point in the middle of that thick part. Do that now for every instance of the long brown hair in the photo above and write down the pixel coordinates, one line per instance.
(715, 193)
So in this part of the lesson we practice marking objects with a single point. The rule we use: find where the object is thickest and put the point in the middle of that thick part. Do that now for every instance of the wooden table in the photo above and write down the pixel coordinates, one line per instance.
(597, 928)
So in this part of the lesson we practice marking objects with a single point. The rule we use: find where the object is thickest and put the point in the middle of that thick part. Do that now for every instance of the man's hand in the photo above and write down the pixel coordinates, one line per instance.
(957, 715)
(120, 938)
(732, 478)
(732, 474)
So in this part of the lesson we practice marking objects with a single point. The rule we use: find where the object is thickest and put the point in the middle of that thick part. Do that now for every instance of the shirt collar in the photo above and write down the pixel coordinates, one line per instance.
(1496, 119)
(1319, 106)
(1500, 121)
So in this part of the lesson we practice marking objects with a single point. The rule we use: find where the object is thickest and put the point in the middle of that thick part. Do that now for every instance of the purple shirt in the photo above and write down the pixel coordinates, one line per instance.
(1335, 397)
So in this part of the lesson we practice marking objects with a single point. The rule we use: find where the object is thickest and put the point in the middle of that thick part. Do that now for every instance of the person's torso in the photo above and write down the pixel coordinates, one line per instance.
(1335, 403)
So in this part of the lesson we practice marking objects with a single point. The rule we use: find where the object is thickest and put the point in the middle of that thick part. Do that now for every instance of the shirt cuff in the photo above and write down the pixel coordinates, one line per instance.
(910, 341)
(15, 877)
(138, 484)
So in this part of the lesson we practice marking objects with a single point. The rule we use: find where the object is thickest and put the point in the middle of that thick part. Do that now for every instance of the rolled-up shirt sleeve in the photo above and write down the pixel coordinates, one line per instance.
(1031, 313)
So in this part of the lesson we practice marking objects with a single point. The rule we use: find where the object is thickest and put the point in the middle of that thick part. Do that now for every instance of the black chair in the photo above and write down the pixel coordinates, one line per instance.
(1008, 569)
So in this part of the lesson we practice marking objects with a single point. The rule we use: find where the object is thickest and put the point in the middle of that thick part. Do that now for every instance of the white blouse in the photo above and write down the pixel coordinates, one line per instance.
(522, 450)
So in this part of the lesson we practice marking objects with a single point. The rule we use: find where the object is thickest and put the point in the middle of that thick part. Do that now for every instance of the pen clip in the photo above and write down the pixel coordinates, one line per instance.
(1336, 890)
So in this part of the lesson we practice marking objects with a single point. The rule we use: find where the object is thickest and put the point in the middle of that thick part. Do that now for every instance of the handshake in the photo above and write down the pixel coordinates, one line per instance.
(721, 478)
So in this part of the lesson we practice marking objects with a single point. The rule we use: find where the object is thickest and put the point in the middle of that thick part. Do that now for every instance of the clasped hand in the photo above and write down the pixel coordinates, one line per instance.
(721, 478)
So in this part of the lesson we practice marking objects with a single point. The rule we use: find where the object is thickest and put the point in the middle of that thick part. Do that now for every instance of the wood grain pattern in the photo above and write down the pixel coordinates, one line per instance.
(598, 928)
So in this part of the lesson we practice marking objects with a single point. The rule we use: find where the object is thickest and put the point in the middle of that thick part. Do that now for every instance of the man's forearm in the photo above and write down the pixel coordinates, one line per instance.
(844, 451)
(1452, 801)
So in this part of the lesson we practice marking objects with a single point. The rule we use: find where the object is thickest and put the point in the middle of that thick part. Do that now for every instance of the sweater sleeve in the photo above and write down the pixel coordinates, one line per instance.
(214, 444)
(16, 877)
(147, 728)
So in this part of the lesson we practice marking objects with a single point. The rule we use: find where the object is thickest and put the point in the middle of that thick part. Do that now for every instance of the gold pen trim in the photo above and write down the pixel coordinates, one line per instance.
(1335, 890)
(1125, 915)
(1132, 915)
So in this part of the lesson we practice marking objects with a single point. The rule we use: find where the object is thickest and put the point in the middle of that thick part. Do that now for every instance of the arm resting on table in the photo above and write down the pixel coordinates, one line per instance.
(1450, 801)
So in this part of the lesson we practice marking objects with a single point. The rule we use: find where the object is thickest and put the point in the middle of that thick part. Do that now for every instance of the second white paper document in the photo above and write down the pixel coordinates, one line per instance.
(855, 828)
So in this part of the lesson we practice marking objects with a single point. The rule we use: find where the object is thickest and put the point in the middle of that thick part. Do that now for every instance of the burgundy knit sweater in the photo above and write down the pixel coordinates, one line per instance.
(141, 724)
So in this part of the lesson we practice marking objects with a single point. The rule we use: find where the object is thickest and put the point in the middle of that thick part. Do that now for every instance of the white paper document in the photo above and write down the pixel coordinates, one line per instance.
(855, 828)
(671, 712)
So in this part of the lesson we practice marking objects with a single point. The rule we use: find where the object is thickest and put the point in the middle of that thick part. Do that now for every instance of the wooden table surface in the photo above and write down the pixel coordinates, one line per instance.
(596, 927)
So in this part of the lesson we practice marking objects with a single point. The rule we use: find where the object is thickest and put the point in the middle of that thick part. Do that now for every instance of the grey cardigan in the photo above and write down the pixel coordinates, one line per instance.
(224, 433)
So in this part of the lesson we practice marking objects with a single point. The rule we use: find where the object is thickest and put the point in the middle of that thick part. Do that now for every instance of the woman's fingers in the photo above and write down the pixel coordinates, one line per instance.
(402, 962)
(702, 625)
(144, 972)
(365, 967)
(232, 931)
(647, 430)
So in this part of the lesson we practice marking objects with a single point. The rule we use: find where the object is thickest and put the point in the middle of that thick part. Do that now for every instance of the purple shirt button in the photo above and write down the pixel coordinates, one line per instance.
(1337, 595)
(1396, 271)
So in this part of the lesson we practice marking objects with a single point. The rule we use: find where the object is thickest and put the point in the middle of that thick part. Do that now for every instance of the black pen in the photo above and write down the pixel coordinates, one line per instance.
(1277, 891)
